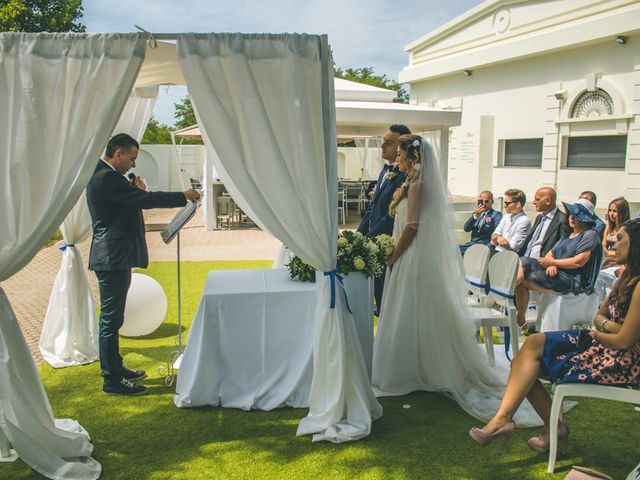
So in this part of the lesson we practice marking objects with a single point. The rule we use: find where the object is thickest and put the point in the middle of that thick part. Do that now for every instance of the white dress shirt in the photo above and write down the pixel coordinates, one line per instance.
(535, 245)
(514, 229)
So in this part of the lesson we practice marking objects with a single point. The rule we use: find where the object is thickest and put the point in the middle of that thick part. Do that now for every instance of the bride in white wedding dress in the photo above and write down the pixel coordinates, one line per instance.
(426, 336)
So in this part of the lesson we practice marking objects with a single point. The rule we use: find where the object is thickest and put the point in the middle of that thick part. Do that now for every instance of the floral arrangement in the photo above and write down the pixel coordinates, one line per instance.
(356, 253)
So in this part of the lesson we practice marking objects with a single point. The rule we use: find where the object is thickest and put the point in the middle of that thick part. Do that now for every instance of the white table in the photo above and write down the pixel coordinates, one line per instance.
(250, 343)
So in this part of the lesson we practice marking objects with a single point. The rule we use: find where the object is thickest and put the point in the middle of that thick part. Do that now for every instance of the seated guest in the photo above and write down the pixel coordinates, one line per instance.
(548, 227)
(617, 214)
(514, 226)
(608, 355)
(599, 225)
(562, 267)
(482, 223)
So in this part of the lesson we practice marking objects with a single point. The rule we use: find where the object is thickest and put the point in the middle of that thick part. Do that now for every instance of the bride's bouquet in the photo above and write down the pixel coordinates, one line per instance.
(356, 253)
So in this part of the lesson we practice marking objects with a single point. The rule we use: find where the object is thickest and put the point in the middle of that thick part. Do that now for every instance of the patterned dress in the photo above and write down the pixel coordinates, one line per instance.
(562, 362)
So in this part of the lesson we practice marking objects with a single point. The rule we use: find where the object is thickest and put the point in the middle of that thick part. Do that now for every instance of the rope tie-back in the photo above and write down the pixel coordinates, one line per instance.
(333, 275)
(66, 245)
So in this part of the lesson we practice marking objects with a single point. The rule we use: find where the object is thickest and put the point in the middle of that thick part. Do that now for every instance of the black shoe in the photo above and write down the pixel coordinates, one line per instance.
(123, 386)
(132, 375)
(375, 311)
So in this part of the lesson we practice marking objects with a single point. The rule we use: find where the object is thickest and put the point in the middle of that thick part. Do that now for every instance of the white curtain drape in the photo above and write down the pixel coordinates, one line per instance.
(70, 330)
(266, 104)
(60, 97)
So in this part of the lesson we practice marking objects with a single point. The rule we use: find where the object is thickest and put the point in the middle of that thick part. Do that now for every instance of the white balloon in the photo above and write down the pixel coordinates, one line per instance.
(146, 306)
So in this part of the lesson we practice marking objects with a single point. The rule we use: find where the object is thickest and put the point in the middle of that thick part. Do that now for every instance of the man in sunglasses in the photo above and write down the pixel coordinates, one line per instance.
(515, 225)
(482, 223)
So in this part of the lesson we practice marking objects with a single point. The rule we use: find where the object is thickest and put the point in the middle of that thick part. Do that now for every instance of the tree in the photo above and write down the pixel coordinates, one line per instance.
(184, 115)
(40, 16)
(367, 76)
(156, 133)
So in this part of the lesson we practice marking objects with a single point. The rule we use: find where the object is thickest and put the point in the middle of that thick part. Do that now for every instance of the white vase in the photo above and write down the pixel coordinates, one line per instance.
(359, 291)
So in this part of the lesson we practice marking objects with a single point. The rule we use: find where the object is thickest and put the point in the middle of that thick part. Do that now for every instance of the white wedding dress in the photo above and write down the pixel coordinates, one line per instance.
(426, 335)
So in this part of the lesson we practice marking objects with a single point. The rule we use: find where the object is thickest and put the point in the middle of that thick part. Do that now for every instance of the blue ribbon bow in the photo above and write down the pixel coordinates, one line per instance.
(333, 275)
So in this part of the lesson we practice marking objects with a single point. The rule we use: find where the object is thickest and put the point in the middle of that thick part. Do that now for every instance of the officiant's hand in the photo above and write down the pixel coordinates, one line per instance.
(139, 183)
(192, 195)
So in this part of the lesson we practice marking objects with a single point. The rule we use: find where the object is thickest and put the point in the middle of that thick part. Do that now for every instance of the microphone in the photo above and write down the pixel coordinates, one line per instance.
(132, 177)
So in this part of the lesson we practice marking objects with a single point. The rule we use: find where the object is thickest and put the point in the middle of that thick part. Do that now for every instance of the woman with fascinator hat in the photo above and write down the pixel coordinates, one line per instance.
(561, 269)
(426, 336)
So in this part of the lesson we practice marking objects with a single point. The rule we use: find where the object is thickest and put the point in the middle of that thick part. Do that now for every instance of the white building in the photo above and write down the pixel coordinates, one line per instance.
(549, 93)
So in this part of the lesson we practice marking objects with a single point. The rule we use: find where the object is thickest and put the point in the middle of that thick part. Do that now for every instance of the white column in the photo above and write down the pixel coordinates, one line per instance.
(209, 216)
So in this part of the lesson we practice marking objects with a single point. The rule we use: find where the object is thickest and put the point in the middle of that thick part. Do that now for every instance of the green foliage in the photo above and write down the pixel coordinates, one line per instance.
(184, 115)
(367, 76)
(156, 133)
(356, 253)
(298, 270)
(41, 16)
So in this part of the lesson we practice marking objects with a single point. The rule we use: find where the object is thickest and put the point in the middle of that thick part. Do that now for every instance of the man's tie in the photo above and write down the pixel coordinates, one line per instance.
(536, 236)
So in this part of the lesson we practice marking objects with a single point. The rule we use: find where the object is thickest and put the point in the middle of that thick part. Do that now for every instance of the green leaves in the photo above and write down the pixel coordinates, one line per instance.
(356, 253)
(41, 16)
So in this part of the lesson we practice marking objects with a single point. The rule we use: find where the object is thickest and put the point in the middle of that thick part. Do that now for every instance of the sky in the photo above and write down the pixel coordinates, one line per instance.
(362, 33)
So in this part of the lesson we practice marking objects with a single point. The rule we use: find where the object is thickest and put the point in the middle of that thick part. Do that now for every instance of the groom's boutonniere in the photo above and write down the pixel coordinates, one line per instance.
(391, 175)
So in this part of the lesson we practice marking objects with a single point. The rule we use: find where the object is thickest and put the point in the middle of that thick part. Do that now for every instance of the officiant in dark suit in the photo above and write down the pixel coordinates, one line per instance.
(376, 219)
(118, 244)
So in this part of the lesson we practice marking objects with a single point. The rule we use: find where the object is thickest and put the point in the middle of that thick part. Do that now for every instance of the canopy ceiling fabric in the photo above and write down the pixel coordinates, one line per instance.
(361, 110)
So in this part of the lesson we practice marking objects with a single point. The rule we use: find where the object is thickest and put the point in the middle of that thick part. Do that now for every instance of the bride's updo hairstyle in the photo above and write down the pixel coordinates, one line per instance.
(410, 144)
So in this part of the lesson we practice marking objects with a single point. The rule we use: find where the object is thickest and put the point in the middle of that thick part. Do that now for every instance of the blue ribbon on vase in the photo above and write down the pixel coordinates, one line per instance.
(333, 275)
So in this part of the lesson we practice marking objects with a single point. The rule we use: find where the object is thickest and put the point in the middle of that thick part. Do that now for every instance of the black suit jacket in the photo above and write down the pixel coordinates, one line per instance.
(376, 219)
(551, 236)
(118, 241)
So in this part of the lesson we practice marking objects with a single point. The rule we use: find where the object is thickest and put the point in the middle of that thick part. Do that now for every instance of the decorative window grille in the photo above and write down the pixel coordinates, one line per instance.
(592, 104)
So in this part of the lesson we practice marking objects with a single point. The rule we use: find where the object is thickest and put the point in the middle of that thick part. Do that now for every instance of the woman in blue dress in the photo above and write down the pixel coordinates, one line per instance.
(609, 354)
(563, 267)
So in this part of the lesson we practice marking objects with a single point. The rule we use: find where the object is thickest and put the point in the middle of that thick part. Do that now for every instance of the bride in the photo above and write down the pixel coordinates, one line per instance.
(426, 336)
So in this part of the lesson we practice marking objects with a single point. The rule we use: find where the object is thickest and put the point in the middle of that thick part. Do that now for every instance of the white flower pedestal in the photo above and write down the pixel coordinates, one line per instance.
(359, 291)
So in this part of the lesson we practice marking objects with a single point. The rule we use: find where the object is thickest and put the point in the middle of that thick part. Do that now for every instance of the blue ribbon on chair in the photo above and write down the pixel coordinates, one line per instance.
(476, 284)
(501, 293)
(333, 275)
(507, 341)
(66, 245)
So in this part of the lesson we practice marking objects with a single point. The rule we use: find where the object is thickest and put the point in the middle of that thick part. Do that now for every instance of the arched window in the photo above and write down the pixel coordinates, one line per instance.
(592, 104)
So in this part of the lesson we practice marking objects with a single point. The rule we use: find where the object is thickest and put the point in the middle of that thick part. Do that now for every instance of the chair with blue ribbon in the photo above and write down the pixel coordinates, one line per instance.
(476, 266)
(503, 272)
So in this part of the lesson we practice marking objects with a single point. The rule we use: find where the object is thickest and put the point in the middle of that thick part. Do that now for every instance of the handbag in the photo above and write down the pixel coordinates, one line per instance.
(583, 473)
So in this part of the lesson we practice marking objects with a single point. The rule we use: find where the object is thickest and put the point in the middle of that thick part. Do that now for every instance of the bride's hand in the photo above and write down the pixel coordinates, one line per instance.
(392, 259)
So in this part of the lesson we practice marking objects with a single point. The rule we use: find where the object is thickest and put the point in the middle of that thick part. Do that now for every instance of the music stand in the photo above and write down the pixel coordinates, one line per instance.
(171, 231)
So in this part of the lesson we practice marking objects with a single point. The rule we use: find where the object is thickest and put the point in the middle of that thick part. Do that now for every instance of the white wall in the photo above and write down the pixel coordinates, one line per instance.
(515, 100)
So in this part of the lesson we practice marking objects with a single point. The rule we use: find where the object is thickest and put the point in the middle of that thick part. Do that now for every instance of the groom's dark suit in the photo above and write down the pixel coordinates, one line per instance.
(118, 244)
(376, 219)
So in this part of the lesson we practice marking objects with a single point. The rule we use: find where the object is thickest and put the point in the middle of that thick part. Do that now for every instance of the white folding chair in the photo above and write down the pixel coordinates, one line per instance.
(503, 272)
(604, 392)
(342, 207)
(476, 265)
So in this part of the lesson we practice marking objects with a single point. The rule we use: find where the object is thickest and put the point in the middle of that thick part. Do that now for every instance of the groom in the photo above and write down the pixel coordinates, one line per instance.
(376, 219)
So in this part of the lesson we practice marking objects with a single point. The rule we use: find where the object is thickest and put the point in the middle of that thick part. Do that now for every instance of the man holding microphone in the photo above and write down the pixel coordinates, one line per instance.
(118, 244)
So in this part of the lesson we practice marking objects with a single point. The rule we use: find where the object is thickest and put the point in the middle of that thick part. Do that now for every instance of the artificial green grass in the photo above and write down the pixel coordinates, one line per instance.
(149, 438)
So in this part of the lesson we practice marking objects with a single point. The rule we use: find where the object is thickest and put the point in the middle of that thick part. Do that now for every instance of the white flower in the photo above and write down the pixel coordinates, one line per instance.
(417, 167)
(371, 245)
(388, 250)
(358, 234)
(358, 263)
(416, 143)
(342, 242)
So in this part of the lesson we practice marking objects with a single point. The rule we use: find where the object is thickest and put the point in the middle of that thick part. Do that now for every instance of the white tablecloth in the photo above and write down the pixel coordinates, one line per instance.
(250, 343)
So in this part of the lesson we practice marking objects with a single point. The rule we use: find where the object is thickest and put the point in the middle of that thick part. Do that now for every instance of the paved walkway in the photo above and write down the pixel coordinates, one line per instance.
(29, 290)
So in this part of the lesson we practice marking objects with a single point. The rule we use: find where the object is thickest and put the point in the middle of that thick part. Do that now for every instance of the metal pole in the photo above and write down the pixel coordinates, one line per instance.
(179, 304)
